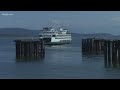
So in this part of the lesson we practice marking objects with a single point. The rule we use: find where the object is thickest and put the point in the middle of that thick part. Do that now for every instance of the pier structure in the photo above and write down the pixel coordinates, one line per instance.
(92, 45)
(30, 49)
(109, 48)
(112, 53)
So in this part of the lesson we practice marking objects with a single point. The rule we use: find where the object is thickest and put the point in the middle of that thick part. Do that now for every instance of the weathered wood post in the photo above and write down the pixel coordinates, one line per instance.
(92, 45)
(112, 53)
(26, 49)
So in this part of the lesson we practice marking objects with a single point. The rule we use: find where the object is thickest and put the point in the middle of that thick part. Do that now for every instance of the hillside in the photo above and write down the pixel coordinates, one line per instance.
(26, 32)
(18, 32)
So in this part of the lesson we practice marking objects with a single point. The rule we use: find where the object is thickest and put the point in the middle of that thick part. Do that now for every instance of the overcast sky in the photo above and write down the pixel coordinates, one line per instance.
(75, 21)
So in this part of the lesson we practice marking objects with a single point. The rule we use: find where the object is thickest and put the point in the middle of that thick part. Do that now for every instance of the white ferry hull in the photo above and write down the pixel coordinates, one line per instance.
(52, 41)
(55, 37)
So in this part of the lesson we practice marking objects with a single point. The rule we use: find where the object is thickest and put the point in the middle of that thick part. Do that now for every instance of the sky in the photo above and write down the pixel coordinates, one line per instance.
(75, 21)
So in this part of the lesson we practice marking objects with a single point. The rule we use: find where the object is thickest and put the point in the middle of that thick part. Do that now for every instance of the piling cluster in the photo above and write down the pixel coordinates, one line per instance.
(92, 45)
(29, 49)
(34, 48)
(111, 49)
(112, 53)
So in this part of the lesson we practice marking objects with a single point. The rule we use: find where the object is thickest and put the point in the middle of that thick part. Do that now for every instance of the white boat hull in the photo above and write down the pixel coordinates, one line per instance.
(53, 41)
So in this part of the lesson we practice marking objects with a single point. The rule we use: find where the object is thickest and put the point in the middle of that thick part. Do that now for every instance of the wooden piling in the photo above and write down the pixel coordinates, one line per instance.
(29, 49)
(111, 49)
(92, 45)
(112, 53)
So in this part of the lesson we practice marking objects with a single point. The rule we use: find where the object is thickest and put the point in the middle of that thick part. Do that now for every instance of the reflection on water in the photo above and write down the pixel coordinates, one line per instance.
(92, 48)
(92, 54)
(29, 59)
(112, 53)
(67, 61)
(112, 62)
(110, 59)
(92, 57)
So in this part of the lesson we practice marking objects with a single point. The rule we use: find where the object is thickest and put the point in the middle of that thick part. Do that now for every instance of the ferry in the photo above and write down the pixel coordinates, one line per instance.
(53, 36)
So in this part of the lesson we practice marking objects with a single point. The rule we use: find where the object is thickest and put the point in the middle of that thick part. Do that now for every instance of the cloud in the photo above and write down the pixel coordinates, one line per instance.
(117, 19)
(7, 14)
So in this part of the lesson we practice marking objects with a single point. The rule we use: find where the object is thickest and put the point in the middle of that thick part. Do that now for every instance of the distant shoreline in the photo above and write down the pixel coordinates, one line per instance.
(17, 37)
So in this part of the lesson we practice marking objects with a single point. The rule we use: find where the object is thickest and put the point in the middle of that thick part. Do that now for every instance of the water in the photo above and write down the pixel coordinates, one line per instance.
(60, 62)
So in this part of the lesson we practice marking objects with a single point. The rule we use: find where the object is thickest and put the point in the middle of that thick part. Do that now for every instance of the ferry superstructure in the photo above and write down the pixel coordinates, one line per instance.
(55, 36)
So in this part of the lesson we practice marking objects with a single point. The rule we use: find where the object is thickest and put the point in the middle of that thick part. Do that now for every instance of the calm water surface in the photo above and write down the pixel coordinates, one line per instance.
(60, 62)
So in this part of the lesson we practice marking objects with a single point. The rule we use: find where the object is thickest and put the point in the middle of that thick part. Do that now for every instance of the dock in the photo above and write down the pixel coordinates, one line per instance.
(92, 45)
(112, 53)
(109, 47)
(30, 49)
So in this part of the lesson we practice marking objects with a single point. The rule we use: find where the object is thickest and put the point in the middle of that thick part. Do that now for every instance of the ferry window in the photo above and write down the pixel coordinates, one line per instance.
(53, 35)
